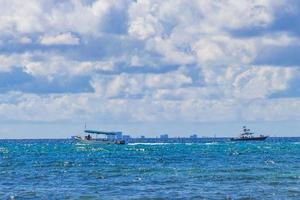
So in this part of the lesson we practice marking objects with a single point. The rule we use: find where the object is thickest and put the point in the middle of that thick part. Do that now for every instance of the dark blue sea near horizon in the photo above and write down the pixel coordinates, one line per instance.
(63, 169)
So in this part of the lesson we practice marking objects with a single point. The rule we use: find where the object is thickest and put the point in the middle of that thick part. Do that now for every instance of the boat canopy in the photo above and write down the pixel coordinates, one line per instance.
(100, 132)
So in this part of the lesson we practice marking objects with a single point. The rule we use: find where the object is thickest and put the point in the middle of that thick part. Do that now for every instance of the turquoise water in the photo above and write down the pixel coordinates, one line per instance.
(62, 169)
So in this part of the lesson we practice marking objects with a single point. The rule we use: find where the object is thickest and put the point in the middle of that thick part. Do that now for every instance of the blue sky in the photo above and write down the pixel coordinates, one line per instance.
(149, 67)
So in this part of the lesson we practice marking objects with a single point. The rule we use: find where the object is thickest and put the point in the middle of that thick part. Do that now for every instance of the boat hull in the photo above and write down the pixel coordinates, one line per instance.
(98, 141)
(250, 138)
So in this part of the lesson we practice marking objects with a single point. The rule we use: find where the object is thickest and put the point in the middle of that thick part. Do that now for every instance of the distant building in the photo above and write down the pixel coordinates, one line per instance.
(126, 137)
(143, 137)
(194, 136)
(117, 136)
(164, 136)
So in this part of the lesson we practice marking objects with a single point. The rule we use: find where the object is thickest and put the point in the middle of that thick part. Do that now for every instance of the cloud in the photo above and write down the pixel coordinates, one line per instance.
(153, 18)
(25, 40)
(261, 82)
(280, 39)
(79, 107)
(200, 30)
(137, 85)
(50, 65)
(62, 39)
(148, 60)
(18, 17)
(60, 17)
(223, 50)
(6, 62)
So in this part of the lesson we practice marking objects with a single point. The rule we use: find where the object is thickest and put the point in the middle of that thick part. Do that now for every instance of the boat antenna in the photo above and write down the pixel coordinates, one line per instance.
(84, 125)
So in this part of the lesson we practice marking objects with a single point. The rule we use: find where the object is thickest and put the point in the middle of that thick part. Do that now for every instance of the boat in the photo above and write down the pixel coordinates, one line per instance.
(107, 139)
(249, 136)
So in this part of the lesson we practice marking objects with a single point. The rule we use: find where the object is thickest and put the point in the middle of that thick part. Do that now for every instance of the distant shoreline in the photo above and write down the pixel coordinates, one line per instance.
(164, 140)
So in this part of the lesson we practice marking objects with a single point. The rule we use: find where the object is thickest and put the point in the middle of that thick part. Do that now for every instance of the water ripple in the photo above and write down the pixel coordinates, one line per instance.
(61, 169)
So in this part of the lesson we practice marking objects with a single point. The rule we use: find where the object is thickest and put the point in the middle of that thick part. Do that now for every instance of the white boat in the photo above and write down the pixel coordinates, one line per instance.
(88, 139)
(249, 136)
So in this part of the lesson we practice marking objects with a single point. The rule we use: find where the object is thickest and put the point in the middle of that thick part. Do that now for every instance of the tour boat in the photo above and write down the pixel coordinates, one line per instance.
(88, 139)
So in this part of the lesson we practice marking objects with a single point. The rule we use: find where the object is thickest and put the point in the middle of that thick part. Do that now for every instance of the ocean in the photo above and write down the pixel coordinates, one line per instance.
(64, 169)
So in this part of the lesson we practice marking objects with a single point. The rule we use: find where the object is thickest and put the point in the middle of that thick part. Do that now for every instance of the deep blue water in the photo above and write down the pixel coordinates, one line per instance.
(62, 169)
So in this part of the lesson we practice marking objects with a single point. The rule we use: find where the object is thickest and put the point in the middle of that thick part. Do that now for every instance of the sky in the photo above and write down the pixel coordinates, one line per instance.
(148, 67)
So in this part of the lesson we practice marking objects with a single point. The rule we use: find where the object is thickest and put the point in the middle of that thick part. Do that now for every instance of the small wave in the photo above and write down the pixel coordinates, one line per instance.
(296, 142)
(3, 150)
(236, 153)
(211, 143)
(272, 162)
(141, 149)
(132, 144)
(98, 149)
(81, 149)
(81, 144)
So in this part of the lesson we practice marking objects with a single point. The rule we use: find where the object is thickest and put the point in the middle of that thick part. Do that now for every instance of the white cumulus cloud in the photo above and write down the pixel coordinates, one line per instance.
(62, 39)
(149, 60)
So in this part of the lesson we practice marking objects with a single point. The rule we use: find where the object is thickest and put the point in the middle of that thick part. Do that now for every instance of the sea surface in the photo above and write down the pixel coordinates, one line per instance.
(211, 169)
